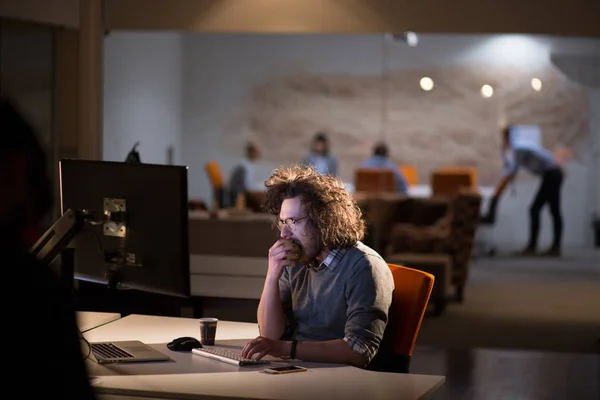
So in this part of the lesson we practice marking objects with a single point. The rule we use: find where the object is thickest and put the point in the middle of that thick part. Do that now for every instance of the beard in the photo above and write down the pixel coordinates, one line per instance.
(313, 261)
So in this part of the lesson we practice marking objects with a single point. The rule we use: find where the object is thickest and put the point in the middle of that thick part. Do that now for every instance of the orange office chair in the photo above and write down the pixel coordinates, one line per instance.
(217, 182)
(449, 181)
(367, 179)
(412, 289)
(410, 174)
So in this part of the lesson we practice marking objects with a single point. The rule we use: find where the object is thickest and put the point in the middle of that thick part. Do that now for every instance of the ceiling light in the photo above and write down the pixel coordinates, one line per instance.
(426, 83)
(487, 91)
(411, 38)
(536, 84)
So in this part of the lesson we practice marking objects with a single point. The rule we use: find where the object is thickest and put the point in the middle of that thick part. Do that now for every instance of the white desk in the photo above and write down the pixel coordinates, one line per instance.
(425, 191)
(87, 320)
(190, 376)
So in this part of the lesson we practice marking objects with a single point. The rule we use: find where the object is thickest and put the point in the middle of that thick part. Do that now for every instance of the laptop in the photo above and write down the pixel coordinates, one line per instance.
(130, 351)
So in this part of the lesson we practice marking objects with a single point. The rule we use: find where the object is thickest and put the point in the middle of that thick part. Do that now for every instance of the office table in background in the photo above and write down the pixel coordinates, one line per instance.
(192, 376)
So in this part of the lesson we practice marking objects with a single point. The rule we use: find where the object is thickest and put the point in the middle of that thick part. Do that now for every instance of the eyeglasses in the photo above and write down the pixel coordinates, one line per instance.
(290, 222)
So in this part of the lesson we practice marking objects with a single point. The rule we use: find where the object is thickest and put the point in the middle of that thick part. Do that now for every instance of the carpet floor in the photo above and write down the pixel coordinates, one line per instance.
(544, 304)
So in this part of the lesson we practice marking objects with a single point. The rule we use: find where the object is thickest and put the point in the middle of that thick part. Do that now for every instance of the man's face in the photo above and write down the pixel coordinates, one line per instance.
(320, 147)
(304, 233)
(253, 154)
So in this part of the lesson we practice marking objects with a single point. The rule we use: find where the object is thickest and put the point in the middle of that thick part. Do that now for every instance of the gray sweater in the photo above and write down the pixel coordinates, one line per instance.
(346, 299)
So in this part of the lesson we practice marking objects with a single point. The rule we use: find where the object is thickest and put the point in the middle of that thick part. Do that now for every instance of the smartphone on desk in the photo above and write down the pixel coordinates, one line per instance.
(287, 369)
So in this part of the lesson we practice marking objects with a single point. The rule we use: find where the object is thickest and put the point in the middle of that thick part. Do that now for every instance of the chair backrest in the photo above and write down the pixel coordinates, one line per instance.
(450, 181)
(471, 171)
(214, 175)
(410, 173)
(374, 180)
(412, 289)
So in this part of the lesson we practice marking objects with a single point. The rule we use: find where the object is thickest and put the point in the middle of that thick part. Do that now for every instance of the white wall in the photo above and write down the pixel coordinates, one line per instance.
(595, 129)
(142, 95)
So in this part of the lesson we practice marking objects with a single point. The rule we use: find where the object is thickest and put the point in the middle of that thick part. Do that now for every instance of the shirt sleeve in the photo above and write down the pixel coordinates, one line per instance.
(285, 292)
(334, 166)
(367, 349)
(512, 161)
(247, 177)
(400, 180)
(369, 297)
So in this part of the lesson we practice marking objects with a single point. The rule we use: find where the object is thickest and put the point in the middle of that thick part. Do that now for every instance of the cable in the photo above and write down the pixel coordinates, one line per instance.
(97, 237)
(89, 346)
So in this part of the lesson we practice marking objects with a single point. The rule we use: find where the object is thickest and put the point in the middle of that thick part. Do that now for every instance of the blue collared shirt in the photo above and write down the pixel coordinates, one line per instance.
(534, 159)
(322, 164)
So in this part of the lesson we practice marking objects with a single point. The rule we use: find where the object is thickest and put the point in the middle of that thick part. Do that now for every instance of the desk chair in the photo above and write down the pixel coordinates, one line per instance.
(410, 174)
(412, 289)
(369, 179)
(450, 182)
(215, 177)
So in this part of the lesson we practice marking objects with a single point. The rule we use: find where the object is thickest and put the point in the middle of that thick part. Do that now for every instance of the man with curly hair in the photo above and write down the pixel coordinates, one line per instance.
(326, 295)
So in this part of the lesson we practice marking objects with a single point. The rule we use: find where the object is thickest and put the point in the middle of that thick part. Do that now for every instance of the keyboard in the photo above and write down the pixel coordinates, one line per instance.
(227, 356)
(108, 350)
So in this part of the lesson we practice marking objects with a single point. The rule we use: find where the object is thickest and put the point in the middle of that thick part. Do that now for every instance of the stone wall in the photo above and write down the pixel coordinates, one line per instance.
(450, 125)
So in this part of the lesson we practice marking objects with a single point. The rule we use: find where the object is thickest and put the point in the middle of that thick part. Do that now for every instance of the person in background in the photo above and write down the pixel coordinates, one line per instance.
(49, 317)
(542, 163)
(326, 295)
(380, 159)
(320, 157)
(243, 177)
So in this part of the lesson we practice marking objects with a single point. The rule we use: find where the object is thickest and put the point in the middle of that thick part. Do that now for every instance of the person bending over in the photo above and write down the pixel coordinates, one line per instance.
(542, 163)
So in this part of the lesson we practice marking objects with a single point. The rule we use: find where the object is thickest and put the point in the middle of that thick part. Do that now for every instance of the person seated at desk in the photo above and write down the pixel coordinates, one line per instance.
(44, 346)
(380, 159)
(326, 295)
(320, 157)
(243, 176)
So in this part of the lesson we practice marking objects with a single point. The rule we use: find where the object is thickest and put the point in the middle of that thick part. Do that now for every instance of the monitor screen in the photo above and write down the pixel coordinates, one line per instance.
(140, 237)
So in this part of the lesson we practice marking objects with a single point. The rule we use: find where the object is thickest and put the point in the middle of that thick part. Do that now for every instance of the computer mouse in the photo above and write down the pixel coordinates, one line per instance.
(186, 343)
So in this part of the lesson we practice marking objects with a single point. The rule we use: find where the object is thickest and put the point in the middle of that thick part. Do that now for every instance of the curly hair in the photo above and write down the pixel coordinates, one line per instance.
(329, 206)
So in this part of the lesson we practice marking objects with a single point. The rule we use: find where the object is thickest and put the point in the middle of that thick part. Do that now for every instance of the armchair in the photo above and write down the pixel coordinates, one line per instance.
(453, 234)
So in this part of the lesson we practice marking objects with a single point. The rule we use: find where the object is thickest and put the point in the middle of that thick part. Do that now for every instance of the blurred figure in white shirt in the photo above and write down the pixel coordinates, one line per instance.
(243, 177)
(320, 157)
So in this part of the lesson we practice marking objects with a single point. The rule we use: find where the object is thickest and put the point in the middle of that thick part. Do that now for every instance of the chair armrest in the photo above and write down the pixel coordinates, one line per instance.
(423, 232)
(407, 238)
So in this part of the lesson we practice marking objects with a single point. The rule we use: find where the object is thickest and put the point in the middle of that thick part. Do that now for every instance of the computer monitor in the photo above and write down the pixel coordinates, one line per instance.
(124, 225)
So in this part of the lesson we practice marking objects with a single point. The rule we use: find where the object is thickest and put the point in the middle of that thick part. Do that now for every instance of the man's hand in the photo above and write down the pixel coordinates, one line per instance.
(490, 217)
(261, 346)
(283, 253)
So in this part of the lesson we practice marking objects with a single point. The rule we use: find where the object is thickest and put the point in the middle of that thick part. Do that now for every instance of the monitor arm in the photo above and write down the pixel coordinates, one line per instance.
(58, 236)
(55, 241)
